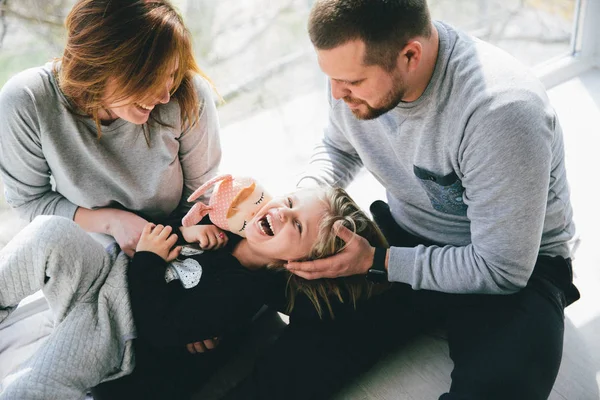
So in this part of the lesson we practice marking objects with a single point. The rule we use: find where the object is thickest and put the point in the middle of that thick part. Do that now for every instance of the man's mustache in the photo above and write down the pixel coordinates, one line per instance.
(353, 101)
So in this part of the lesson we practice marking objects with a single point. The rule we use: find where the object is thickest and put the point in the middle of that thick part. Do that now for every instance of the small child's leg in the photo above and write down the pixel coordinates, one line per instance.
(56, 255)
(78, 355)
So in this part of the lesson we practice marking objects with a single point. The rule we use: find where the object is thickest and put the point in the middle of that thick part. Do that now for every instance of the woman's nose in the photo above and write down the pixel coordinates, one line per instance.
(165, 96)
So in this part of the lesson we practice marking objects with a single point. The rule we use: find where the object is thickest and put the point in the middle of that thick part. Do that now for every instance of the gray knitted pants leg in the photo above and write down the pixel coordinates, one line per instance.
(55, 255)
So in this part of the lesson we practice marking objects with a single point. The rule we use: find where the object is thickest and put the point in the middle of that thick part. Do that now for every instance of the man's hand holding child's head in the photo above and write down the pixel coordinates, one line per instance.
(159, 240)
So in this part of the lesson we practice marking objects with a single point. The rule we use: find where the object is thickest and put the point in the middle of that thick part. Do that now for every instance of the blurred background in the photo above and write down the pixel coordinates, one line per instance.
(258, 55)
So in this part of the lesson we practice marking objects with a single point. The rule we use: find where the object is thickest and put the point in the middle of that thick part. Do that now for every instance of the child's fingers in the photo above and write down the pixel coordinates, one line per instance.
(190, 348)
(222, 240)
(214, 241)
(147, 228)
(171, 240)
(173, 254)
(203, 241)
(199, 347)
(209, 344)
(164, 234)
(157, 230)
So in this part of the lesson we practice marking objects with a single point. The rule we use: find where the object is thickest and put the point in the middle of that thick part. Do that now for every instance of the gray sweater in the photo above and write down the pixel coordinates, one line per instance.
(476, 165)
(40, 138)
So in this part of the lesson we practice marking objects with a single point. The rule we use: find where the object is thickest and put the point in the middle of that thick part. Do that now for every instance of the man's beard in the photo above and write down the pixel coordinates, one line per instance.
(390, 101)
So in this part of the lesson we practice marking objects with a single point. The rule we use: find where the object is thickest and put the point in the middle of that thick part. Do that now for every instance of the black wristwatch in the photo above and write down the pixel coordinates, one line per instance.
(377, 273)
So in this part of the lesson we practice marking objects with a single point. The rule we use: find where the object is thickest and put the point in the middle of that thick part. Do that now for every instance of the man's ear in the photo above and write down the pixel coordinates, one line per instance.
(410, 56)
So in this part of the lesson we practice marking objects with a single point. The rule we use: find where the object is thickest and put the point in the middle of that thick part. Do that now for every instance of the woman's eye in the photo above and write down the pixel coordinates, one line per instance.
(290, 202)
(243, 226)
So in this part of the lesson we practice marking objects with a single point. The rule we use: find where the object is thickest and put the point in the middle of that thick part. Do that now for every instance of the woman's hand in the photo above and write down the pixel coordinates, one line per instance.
(159, 240)
(126, 227)
(208, 236)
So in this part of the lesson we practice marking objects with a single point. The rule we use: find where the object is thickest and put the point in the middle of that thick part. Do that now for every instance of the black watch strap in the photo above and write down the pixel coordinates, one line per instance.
(377, 273)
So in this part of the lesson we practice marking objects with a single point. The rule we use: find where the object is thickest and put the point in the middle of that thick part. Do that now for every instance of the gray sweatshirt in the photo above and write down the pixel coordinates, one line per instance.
(40, 138)
(475, 165)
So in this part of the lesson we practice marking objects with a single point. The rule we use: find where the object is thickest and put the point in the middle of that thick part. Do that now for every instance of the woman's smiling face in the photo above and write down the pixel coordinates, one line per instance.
(135, 110)
(287, 227)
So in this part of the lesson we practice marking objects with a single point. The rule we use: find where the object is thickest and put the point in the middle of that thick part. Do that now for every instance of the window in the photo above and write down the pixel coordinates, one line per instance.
(534, 31)
(258, 53)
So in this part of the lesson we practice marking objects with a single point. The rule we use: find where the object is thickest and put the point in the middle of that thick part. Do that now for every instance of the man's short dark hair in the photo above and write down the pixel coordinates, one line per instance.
(385, 26)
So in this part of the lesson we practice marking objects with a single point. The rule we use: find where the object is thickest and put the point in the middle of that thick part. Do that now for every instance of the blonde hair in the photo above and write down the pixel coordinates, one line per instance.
(340, 207)
(134, 42)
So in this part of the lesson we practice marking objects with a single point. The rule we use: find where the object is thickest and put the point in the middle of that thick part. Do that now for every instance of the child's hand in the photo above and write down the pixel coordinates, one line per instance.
(208, 236)
(159, 240)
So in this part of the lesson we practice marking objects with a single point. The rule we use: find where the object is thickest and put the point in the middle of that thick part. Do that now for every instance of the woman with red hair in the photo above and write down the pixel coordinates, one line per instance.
(118, 131)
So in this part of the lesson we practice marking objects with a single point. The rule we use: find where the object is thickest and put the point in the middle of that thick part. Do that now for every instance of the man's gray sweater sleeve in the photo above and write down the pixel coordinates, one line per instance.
(23, 166)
